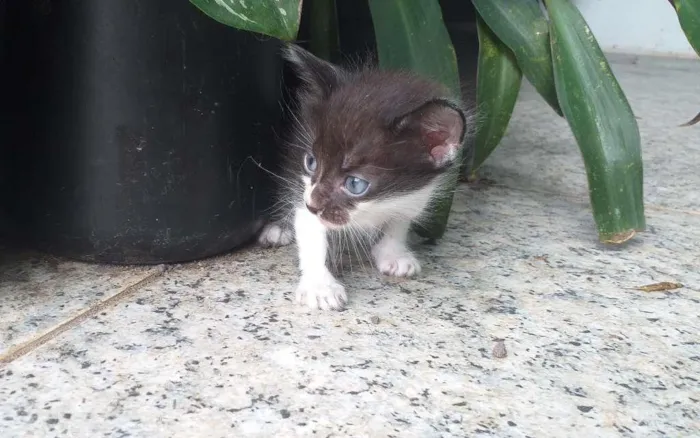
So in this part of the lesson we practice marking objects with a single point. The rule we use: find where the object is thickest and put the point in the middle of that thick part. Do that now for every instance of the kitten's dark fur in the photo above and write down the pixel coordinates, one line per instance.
(370, 150)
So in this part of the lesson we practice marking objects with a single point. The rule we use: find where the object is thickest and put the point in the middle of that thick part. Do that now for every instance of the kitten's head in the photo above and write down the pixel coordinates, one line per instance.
(372, 145)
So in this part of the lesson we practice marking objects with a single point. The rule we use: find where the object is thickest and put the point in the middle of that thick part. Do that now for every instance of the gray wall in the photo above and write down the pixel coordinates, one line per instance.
(636, 26)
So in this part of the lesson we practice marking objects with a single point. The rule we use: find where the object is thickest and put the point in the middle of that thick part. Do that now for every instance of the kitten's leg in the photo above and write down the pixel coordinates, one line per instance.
(391, 253)
(276, 233)
(317, 288)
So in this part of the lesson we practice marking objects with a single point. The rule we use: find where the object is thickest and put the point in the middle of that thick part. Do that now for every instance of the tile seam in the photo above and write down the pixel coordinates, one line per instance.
(27, 347)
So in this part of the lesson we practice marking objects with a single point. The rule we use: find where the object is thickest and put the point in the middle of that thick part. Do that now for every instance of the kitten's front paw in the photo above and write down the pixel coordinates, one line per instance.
(322, 293)
(275, 235)
(397, 262)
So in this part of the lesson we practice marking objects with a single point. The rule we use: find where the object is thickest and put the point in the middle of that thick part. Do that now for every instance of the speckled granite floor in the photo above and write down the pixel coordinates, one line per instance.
(218, 349)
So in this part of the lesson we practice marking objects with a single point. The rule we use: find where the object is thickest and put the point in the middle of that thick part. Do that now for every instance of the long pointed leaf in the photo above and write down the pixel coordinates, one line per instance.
(694, 121)
(276, 18)
(688, 12)
(325, 41)
(522, 26)
(497, 87)
(602, 122)
(412, 36)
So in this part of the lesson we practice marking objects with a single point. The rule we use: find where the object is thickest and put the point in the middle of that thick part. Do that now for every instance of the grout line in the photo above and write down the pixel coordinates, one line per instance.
(29, 346)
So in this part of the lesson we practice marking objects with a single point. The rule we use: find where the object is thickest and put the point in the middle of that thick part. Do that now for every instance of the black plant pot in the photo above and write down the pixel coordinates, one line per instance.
(136, 128)
(5, 188)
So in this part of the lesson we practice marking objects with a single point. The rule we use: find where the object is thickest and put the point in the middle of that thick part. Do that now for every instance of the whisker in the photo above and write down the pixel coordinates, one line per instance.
(355, 242)
(250, 157)
(364, 242)
(302, 129)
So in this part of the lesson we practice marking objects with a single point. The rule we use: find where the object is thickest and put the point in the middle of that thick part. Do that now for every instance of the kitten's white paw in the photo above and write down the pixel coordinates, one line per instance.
(275, 235)
(324, 293)
(397, 262)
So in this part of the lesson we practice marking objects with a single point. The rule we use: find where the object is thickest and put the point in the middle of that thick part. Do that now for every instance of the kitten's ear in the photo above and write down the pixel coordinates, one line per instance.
(441, 126)
(320, 76)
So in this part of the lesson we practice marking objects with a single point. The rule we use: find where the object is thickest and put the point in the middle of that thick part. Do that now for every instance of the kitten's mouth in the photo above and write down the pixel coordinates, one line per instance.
(330, 225)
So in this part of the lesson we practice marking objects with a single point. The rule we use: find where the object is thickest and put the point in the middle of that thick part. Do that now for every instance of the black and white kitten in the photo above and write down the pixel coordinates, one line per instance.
(370, 151)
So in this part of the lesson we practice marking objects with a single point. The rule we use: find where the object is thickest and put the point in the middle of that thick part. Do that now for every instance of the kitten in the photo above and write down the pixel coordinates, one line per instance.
(370, 151)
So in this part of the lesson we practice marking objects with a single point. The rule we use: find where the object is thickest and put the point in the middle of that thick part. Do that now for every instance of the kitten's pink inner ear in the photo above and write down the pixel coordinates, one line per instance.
(441, 132)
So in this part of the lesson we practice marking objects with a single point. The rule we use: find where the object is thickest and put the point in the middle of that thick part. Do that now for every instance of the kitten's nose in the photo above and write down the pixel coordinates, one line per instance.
(312, 209)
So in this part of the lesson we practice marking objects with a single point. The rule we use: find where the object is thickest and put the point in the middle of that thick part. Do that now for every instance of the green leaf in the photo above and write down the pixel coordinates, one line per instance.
(602, 122)
(522, 26)
(275, 18)
(694, 121)
(325, 41)
(412, 36)
(688, 12)
(689, 16)
(497, 86)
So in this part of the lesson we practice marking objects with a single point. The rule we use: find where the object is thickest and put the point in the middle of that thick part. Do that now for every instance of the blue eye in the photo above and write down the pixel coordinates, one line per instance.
(310, 163)
(356, 186)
